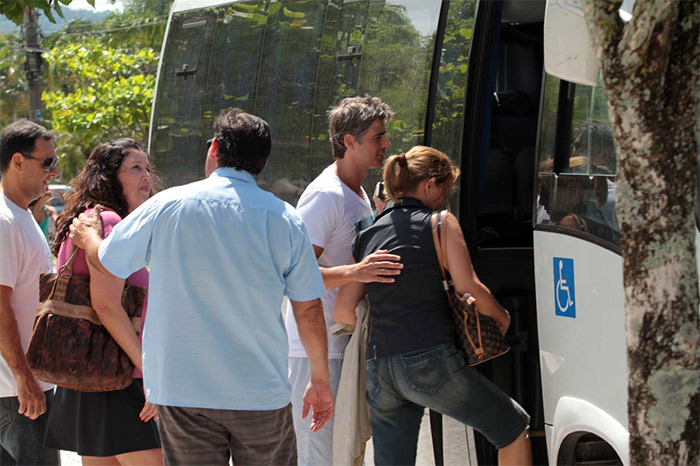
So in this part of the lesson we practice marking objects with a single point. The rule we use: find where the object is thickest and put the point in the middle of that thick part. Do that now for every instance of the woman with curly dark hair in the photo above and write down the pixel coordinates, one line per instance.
(115, 427)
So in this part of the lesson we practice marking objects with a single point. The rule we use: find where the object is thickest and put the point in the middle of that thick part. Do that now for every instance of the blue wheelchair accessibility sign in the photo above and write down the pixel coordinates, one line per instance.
(564, 300)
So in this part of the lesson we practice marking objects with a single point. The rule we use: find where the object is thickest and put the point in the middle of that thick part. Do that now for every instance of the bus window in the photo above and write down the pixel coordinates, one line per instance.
(238, 42)
(177, 123)
(383, 49)
(448, 120)
(581, 197)
(284, 91)
(288, 62)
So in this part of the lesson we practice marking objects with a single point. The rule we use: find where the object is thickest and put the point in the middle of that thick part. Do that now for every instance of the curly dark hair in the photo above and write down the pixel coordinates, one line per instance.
(98, 183)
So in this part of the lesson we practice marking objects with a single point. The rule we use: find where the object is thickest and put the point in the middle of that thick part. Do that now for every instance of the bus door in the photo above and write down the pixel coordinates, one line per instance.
(498, 165)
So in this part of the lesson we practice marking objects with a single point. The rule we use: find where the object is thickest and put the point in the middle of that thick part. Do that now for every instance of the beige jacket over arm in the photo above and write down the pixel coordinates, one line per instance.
(352, 427)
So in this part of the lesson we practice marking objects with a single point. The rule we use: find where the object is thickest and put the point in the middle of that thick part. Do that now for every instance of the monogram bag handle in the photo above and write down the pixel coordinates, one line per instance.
(58, 292)
(440, 242)
(60, 285)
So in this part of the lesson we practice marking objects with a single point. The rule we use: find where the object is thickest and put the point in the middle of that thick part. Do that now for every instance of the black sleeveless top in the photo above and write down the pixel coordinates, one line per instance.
(412, 313)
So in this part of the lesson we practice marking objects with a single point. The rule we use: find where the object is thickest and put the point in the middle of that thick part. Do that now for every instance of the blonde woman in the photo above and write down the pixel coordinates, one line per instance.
(412, 361)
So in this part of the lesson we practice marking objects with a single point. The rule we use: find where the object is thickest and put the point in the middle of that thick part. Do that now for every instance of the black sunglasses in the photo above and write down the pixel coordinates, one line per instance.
(47, 164)
(209, 142)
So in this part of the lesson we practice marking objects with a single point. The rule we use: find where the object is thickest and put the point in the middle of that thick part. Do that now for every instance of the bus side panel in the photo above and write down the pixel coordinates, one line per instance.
(581, 325)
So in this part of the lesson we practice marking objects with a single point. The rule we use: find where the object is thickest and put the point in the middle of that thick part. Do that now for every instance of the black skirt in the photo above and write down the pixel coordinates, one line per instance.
(100, 424)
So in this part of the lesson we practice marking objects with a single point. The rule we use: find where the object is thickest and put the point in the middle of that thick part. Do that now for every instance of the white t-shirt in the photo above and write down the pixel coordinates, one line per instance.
(25, 255)
(333, 215)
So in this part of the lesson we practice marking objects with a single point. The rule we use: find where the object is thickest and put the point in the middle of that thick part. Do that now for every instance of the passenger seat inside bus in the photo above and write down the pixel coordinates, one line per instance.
(505, 210)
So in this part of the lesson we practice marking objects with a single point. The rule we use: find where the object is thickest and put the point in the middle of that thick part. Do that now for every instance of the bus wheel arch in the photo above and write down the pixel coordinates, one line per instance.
(583, 447)
(583, 429)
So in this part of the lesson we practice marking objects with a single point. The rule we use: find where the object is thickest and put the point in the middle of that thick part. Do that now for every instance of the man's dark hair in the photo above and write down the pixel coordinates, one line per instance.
(20, 136)
(244, 141)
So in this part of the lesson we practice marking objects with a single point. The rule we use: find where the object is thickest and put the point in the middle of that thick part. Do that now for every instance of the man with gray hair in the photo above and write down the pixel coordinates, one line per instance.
(27, 164)
(335, 208)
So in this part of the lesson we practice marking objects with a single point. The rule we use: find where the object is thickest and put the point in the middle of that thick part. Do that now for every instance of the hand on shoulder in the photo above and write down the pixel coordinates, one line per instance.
(86, 226)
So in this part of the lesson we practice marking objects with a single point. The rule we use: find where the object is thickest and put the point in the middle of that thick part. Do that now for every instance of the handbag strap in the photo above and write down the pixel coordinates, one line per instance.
(60, 285)
(76, 311)
(68, 266)
(440, 242)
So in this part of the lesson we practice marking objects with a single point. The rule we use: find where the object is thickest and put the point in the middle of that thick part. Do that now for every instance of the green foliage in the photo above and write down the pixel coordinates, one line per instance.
(99, 78)
(13, 83)
(104, 93)
(14, 9)
(141, 24)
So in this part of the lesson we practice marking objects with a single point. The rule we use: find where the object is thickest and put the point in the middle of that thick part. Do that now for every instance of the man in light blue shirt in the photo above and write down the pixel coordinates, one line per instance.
(223, 253)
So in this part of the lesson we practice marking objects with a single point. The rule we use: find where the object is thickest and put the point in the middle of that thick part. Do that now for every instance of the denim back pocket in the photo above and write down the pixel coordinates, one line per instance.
(425, 372)
(5, 412)
(371, 379)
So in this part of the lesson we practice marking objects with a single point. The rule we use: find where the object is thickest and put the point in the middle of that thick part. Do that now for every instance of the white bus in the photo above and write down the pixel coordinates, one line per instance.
(536, 195)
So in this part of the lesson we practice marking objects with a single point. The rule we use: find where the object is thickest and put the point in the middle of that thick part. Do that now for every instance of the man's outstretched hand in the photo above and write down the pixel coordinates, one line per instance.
(318, 397)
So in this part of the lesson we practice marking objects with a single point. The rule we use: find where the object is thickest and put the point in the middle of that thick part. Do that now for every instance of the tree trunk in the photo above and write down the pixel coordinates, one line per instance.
(650, 71)
(33, 64)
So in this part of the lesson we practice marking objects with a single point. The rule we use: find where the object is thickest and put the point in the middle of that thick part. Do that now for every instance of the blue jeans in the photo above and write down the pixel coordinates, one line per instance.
(21, 439)
(400, 387)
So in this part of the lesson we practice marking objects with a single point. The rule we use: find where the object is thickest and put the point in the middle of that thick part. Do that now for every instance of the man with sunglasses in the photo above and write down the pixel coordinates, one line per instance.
(27, 164)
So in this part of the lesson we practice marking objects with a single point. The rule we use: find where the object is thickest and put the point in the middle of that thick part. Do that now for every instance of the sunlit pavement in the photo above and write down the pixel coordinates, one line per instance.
(68, 458)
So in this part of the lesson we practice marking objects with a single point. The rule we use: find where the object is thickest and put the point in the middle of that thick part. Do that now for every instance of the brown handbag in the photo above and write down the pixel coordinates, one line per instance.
(69, 345)
(479, 336)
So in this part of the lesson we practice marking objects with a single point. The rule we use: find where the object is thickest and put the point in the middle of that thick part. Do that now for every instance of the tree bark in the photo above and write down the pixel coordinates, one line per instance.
(651, 69)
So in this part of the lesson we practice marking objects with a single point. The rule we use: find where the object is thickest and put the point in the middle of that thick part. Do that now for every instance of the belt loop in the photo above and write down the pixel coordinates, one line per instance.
(374, 347)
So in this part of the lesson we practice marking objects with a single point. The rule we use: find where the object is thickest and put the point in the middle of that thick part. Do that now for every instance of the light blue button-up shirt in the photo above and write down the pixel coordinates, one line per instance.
(222, 252)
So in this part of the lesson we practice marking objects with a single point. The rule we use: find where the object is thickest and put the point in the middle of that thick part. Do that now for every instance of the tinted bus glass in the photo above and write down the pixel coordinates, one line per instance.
(582, 197)
(448, 120)
(288, 62)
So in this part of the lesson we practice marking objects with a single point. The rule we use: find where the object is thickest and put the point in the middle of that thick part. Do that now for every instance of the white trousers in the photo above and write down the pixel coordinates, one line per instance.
(314, 448)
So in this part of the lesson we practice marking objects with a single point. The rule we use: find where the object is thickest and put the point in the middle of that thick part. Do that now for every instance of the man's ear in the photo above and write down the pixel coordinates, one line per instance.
(213, 152)
(17, 160)
(214, 148)
(349, 141)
